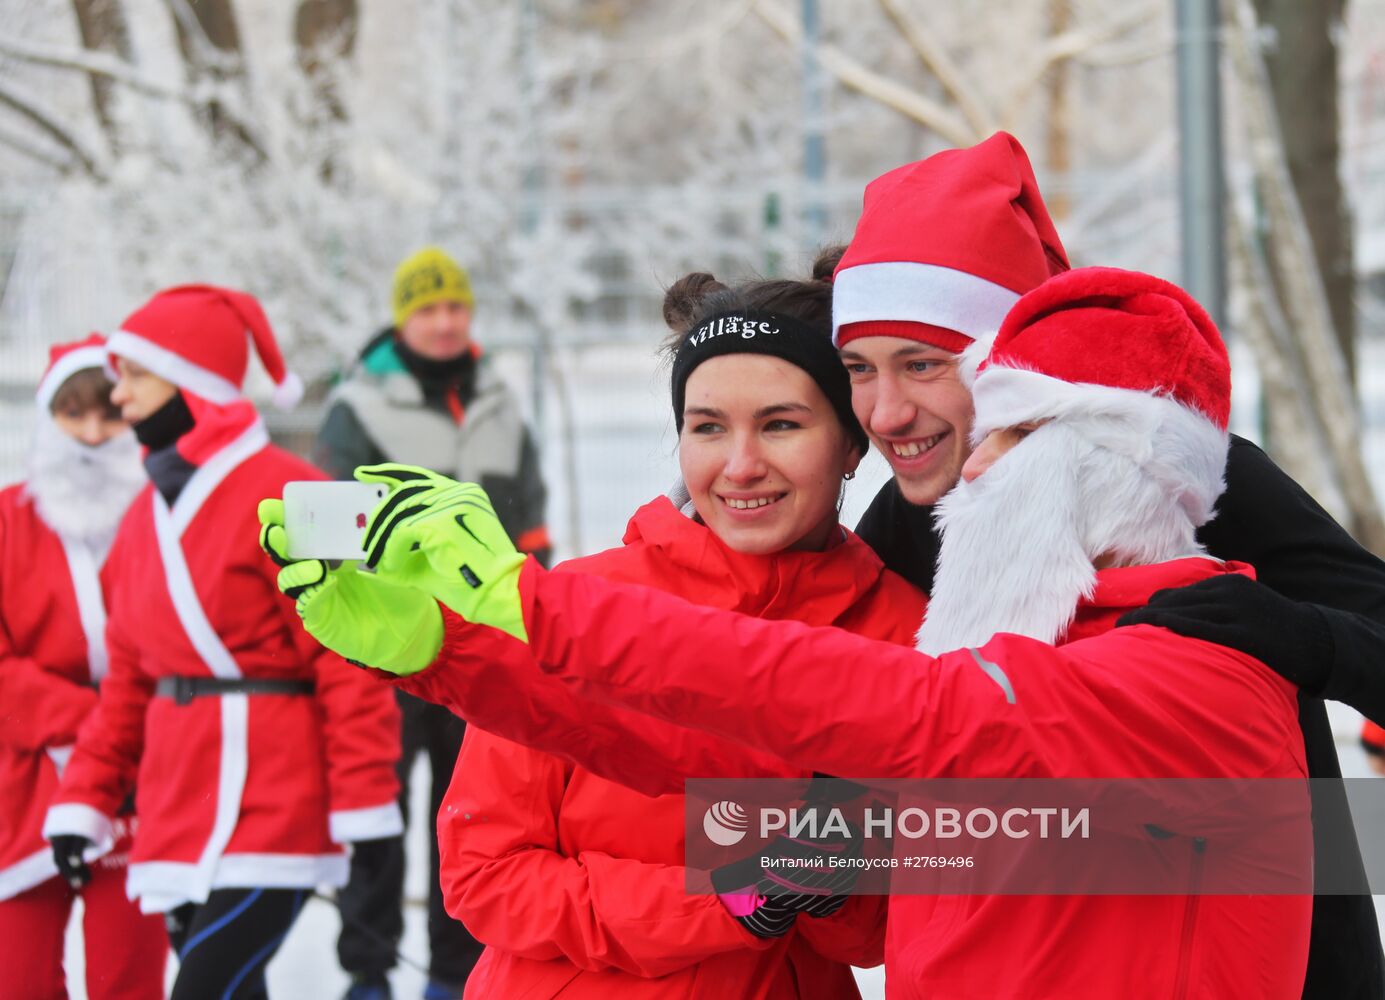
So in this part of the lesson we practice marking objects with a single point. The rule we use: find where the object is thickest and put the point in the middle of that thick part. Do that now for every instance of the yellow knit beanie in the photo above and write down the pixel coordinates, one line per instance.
(425, 277)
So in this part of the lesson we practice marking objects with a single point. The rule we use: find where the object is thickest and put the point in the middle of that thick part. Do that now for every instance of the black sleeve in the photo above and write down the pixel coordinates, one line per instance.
(902, 535)
(342, 444)
(1269, 521)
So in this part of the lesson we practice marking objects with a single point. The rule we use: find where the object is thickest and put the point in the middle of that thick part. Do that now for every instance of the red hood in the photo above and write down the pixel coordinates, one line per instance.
(214, 427)
(1128, 587)
(666, 549)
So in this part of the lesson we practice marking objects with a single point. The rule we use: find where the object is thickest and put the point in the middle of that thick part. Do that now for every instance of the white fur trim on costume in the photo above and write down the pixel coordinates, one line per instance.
(161, 886)
(230, 785)
(350, 825)
(79, 820)
(288, 393)
(26, 873)
(919, 293)
(174, 367)
(235, 708)
(68, 365)
(185, 601)
(210, 474)
(1183, 450)
(91, 605)
(280, 871)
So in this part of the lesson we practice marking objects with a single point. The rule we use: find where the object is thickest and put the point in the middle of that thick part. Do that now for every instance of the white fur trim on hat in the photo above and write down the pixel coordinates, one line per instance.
(174, 367)
(68, 365)
(919, 293)
(287, 393)
(1183, 450)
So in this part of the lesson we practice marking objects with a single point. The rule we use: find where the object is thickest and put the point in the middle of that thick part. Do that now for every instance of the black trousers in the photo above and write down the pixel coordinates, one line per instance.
(371, 904)
(224, 944)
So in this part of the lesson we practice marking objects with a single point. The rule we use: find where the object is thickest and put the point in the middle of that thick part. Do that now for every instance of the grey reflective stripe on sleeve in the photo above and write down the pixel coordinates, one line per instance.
(993, 671)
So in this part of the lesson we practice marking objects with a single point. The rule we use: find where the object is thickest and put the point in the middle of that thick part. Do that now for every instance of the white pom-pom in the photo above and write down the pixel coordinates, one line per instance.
(287, 393)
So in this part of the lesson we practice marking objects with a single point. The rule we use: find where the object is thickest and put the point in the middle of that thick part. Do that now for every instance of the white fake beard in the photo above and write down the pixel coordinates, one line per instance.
(1012, 558)
(81, 491)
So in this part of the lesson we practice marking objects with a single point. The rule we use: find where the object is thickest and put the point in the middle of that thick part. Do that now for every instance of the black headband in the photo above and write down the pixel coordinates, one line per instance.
(750, 331)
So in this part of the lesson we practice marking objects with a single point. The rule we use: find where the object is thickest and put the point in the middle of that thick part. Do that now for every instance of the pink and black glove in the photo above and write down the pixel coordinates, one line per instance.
(768, 890)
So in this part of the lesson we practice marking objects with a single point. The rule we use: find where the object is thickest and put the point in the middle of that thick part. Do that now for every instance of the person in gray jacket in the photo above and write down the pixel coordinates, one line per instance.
(421, 393)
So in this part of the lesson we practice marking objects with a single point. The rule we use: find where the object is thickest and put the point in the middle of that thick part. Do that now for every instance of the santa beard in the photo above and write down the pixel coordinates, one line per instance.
(81, 491)
(1019, 542)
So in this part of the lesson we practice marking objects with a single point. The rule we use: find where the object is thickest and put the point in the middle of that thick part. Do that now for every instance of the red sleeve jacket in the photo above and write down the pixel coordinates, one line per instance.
(570, 877)
(1138, 702)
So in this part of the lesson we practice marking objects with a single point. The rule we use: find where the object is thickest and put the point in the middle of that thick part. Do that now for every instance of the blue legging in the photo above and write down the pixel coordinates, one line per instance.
(224, 944)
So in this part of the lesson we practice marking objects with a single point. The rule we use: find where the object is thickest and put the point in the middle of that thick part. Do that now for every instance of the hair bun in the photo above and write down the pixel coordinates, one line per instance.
(683, 296)
(825, 265)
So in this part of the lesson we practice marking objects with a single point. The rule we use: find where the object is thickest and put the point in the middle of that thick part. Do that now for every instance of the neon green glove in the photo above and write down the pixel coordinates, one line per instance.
(358, 615)
(444, 538)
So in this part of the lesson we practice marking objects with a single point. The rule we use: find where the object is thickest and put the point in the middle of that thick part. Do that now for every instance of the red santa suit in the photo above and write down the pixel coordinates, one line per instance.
(239, 788)
(573, 879)
(52, 656)
(49, 667)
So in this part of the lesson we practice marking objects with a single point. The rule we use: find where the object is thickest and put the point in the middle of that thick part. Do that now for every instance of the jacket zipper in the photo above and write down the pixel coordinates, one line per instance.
(1185, 946)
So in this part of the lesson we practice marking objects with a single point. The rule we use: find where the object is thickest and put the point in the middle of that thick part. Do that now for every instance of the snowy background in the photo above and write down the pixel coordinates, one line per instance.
(577, 156)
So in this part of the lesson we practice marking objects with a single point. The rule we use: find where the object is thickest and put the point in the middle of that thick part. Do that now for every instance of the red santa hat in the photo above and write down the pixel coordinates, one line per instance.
(196, 336)
(66, 360)
(945, 247)
(1127, 354)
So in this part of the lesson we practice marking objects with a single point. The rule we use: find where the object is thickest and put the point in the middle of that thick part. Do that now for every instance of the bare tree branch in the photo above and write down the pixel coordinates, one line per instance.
(854, 75)
(95, 63)
(1130, 55)
(21, 144)
(203, 52)
(717, 21)
(936, 60)
(50, 126)
(1070, 45)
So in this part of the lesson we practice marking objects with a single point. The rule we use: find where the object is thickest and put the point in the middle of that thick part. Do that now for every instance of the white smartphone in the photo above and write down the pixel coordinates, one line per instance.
(327, 520)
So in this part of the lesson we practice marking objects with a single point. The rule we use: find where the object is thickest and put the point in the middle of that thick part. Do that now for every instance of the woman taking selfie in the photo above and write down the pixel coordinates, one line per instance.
(568, 863)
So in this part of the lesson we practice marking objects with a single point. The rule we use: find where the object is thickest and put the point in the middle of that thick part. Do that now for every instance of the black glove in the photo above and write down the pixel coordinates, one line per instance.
(1290, 638)
(67, 852)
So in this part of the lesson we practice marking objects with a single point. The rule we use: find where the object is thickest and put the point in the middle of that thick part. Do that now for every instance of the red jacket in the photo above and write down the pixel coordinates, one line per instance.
(575, 882)
(1134, 702)
(49, 666)
(237, 790)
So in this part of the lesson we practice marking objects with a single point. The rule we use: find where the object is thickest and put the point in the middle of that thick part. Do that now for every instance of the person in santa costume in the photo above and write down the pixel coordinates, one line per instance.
(1101, 443)
(56, 529)
(943, 249)
(562, 847)
(255, 755)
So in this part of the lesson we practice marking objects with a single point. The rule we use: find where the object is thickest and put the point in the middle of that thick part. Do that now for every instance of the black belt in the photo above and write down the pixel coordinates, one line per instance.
(183, 689)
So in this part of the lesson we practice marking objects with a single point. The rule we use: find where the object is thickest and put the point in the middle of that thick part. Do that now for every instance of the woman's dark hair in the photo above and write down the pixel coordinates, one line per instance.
(694, 297)
(802, 305)
(88, 389)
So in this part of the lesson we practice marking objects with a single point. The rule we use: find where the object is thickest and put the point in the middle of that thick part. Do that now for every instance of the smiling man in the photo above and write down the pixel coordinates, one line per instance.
(944, 247)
